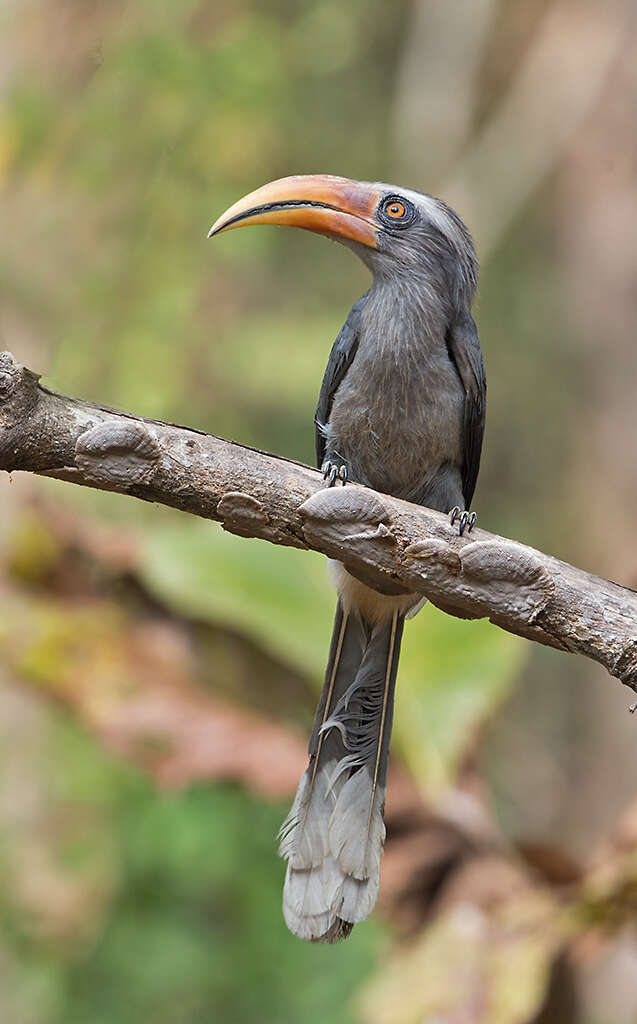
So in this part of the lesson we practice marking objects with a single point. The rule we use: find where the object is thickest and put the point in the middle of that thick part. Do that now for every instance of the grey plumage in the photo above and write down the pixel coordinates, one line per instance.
(333, 836)
(402, 406)
(401, 409)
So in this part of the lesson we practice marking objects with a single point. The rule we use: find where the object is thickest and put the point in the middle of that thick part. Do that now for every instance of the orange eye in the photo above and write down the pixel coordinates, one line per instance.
(395, 210)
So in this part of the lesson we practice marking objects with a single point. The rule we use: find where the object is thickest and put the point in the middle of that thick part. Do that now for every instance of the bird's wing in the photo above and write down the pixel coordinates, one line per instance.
(339, 362)
(464, 349)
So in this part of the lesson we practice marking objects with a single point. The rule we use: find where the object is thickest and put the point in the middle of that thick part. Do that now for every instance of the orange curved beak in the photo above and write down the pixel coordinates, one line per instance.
(321, 203)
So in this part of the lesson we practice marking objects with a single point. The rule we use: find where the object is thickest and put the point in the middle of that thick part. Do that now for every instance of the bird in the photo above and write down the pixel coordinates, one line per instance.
(401, 409)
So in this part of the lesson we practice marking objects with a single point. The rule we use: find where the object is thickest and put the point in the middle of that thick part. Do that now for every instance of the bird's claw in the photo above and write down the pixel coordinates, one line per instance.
(333, 471)
(464, 519)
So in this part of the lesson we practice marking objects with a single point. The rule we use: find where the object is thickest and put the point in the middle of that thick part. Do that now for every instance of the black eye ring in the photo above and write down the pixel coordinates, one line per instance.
(396, 212)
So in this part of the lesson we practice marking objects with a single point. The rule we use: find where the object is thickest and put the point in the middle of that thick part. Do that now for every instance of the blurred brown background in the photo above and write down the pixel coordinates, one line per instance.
(157, 677)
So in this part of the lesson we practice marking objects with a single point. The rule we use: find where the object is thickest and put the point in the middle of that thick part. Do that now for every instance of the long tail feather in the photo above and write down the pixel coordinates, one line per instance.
(333, 836)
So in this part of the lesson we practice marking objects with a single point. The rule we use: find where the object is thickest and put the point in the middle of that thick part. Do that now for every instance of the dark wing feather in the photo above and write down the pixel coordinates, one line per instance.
(464, 349)
(339, 362)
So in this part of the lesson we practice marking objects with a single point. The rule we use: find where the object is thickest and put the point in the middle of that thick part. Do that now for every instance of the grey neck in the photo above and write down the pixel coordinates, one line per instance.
(404, 316)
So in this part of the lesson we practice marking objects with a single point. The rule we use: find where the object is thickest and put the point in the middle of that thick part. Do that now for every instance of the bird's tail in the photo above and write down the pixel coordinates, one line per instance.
(333, 836)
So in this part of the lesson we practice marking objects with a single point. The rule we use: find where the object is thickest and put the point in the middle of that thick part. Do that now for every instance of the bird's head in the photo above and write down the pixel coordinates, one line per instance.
(395, 231)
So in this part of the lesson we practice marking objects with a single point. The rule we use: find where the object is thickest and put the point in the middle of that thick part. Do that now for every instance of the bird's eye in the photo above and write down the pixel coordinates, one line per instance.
(395, 210)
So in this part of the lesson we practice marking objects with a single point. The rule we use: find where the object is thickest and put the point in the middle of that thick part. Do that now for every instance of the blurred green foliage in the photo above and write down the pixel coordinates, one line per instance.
(173, 116)
(180, 902)
(452, 672)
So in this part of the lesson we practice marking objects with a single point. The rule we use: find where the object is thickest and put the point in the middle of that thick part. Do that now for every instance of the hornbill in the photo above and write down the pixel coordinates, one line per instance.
(401, 409)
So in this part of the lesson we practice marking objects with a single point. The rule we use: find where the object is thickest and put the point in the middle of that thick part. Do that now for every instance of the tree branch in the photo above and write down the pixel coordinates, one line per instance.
(390, 544)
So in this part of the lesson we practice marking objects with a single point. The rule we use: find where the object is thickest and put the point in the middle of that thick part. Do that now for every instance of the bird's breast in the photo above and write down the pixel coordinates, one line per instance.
(397, 418)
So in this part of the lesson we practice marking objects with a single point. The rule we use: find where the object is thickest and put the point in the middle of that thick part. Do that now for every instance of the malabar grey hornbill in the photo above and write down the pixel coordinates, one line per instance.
(401, 409)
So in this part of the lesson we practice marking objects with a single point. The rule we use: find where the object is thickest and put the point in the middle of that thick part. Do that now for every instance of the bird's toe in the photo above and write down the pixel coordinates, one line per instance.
(333, 471)
(464, 519)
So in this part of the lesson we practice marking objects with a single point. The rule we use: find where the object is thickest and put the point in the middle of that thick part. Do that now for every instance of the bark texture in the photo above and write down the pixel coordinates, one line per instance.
(390, 544)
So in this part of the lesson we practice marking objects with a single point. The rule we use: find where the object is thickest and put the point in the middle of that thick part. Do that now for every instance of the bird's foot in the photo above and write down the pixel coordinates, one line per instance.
(464, 519)
(333, 471)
